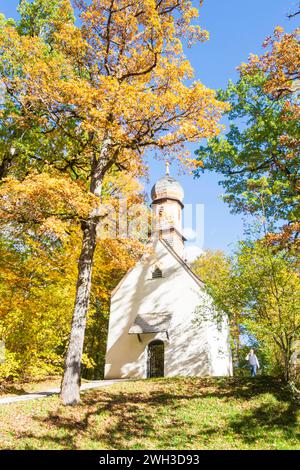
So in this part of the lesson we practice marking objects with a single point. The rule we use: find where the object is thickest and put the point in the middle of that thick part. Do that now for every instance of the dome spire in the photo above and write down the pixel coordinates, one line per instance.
(167, 168)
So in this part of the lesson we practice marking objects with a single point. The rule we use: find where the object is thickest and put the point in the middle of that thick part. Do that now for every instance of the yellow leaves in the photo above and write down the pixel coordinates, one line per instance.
(196, 33)
(36, 302)
(201, 119)
(122, 184)
(278, 31)
(174, 70)
(87, 361)
(70, 42)
(177, 47)
(281, 63)
(122, 72)
(49, 201)
(53, 225)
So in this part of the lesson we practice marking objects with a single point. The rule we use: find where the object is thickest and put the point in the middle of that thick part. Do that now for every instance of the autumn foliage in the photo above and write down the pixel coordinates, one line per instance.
(87, 99)
(281, 66)
(259, 156)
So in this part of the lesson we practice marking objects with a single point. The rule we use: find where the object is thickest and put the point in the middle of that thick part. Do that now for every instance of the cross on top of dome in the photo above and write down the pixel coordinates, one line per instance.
(167, 187)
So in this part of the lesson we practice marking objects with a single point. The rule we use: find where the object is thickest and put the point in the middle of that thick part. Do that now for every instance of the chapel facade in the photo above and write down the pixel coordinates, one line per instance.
(161, 317)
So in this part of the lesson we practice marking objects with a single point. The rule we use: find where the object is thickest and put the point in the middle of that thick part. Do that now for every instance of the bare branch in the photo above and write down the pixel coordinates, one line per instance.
(295, 13)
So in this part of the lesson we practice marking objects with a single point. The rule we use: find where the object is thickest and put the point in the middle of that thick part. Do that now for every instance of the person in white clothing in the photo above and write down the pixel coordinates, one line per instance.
(253, 362)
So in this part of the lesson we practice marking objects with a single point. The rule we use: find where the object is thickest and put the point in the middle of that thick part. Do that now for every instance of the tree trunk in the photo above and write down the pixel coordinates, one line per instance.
(236, 342)
(70, 388)
(286, 365)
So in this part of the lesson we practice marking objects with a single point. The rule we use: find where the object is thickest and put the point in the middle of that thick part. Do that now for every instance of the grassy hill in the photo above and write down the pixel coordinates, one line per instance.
(180, 413)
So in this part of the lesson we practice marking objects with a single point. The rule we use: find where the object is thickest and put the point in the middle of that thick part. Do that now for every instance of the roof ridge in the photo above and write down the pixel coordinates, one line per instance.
(173, 252)
(181, 261)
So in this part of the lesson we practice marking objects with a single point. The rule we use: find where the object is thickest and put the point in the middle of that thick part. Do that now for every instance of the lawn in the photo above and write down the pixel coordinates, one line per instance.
(180, 413)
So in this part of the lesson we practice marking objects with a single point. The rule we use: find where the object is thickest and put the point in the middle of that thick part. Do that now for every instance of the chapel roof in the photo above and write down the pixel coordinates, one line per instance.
(184, 265)
(167, 187)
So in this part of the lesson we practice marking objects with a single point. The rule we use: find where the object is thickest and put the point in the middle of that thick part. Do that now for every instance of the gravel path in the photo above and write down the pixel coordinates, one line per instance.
(53, 391)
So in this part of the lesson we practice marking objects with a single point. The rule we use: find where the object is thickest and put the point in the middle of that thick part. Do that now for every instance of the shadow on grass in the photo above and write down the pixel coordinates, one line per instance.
(24, 387)
(11, 390)
(125, 419)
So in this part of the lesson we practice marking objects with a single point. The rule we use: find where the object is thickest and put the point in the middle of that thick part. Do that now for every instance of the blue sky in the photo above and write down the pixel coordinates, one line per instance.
(237, 28)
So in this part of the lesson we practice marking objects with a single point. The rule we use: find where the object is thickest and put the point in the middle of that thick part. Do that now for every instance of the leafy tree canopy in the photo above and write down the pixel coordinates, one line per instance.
(259, 156)
(258, 288)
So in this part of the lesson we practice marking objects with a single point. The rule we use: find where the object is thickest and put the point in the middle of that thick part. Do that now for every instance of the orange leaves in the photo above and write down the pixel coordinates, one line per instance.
(281, 63)
(287, 238)
(120, 72)
(48, 202)
(200, 112)
(279, 67)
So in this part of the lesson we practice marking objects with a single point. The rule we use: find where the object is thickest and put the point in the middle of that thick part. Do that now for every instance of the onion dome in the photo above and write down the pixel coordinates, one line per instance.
(167, 188)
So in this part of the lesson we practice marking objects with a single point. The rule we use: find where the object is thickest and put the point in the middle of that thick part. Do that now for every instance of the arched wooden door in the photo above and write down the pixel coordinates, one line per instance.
(156, 359)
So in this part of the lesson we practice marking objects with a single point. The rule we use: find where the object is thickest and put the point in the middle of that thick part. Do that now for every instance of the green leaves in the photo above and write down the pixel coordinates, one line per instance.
(38, 17)
(255, 157)
(259, 289)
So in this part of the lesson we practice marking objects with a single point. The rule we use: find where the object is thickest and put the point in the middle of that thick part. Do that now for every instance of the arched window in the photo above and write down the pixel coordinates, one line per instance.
(156, 273)
(156, 359)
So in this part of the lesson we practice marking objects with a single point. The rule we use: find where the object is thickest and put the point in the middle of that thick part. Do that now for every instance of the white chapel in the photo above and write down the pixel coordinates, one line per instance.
(154, 329)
